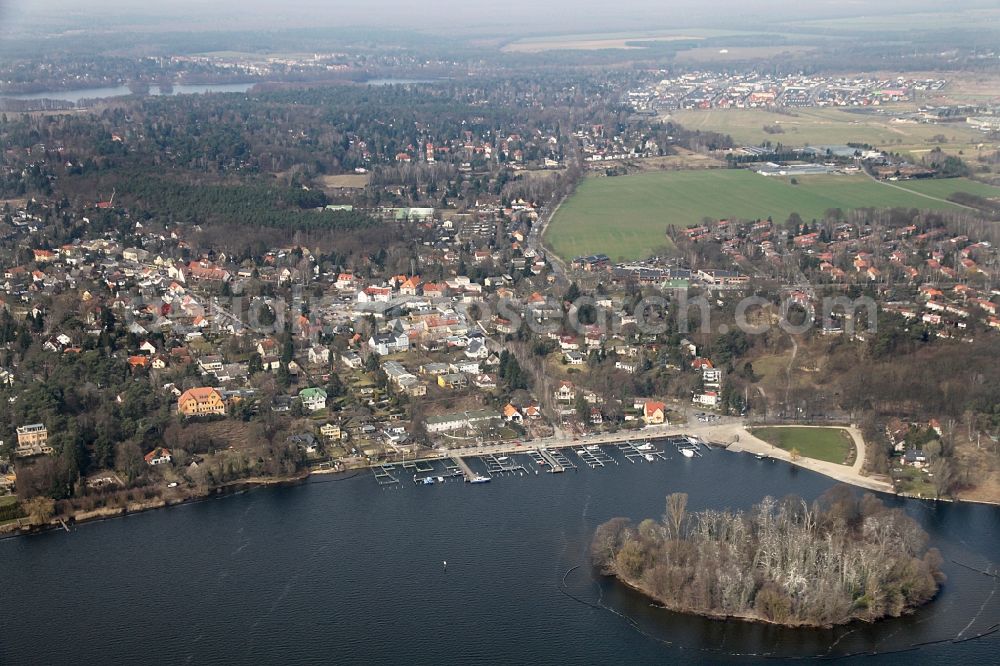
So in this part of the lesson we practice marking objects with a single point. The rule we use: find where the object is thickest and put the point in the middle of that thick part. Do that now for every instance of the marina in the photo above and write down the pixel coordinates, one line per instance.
(645, 452)
(481, 535)
(484, 467)
(383, 475)
(500, 465)
(470, 476)
(346, 546)
(594, 456)
(686, 446)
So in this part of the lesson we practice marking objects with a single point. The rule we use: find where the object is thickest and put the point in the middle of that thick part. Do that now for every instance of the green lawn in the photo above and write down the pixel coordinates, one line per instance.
(829, 444)
(7, 509)
(945, 187)
(626, 217)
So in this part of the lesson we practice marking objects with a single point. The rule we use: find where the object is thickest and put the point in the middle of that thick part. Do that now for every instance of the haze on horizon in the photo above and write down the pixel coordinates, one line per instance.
(524, 16)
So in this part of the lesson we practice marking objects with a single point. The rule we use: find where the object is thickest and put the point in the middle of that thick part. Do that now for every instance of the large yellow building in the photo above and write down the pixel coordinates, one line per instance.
(202, 401)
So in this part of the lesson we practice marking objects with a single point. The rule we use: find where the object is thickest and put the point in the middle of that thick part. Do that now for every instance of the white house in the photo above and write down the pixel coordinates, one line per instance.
(389, 343)
(708, 398)
(477, 349)
(158, 456)
(565, 392)
(313, 399)
(352, 359)
(319, 355)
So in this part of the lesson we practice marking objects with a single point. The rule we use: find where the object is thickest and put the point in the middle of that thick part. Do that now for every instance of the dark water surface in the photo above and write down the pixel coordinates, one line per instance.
(345, 571)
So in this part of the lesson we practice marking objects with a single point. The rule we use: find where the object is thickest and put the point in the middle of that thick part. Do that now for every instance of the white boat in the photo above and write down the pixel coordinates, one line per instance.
(644, 447)
(687, 453)
(649, 457)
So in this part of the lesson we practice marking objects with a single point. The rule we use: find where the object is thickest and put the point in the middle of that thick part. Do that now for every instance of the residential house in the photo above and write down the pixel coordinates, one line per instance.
(596, 418)
(352, 359)
(389, 343)
(319, 355)
(451, 380)
(511, 414)
(654, 412)
(313, 398)
(566, 392)
(159, 456)
(331, 431)
(708, 398)
(32, 440)
(477, 349)
(201, 401)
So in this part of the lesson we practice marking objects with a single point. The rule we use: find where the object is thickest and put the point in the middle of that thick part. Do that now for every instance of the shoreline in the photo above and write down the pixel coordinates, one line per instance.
(712, 436)
(13, 530)
(756, 619)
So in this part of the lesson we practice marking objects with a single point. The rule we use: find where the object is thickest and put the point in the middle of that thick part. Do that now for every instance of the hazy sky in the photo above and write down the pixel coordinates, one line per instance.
(527, 16)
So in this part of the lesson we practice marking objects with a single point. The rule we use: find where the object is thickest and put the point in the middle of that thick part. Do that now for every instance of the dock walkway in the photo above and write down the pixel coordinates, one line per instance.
(467, 472)
(554, 466)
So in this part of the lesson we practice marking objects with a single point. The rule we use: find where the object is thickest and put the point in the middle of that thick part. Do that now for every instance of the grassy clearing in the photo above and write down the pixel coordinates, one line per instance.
(829, 444)
(346, 181)
(626, 217)
(912, 481)
(945, 187)
(8, 509)
(823, 126)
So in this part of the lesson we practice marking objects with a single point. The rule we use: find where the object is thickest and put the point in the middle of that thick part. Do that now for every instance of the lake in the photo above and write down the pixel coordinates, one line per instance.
(342, 570)
(76, 95)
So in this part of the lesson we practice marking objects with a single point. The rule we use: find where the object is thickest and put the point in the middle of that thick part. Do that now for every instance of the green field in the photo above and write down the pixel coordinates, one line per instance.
(8, 509)
(829, 444)
(945, 187)
(626, 217)
(826, 126)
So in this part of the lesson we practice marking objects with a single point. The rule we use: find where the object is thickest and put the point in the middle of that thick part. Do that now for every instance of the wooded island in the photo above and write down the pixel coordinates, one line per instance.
(788, 562)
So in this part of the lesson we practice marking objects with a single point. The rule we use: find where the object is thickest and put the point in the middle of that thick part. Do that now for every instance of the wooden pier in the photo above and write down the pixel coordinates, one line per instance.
(470, 476)
(554, 466)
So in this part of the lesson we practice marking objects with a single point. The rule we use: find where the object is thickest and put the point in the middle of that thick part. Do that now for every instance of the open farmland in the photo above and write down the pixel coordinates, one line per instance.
(826, 126)
(626, 217)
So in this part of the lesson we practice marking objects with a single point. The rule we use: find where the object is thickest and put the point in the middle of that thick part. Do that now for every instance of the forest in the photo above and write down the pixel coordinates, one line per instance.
(839, 559)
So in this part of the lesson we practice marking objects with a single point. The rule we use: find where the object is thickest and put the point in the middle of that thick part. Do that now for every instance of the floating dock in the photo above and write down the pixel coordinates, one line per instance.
(686, 446)
(383, 474)
(500, 465)
(594, 456)
(640, 452)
